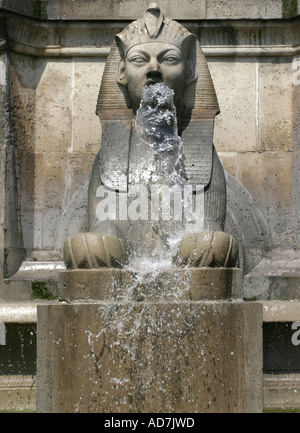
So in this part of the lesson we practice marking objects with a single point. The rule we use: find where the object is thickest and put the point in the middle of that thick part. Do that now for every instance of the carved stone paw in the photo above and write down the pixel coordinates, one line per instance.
(94, 250)
(207, 249)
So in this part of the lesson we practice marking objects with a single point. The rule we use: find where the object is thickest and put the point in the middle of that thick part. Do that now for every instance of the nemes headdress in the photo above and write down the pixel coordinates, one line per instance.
(114, 107)
(153, 27)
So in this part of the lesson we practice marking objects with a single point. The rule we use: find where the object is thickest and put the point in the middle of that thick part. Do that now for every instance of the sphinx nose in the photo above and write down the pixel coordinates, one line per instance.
(153, 64)
(154, 69)
(154, 74)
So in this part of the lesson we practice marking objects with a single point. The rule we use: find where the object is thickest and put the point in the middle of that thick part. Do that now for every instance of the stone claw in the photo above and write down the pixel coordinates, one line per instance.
(207, 249)
(93, 251)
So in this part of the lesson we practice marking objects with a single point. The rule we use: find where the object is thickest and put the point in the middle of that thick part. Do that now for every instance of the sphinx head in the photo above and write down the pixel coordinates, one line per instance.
(155, 49)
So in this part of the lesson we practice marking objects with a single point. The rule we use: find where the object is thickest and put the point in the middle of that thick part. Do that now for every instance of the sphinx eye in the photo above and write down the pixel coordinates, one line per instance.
(171, 59)
(138, 59)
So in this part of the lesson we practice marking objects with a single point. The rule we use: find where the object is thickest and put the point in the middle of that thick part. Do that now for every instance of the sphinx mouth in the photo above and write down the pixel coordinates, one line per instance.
(154, 80)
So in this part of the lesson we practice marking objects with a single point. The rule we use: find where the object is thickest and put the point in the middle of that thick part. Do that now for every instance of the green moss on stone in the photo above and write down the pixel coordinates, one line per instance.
(40, 290)
(282, 410)
(40, 9)
(289, 8)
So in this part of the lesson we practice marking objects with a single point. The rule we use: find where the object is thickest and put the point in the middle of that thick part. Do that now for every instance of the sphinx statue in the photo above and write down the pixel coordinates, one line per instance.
(157, 105)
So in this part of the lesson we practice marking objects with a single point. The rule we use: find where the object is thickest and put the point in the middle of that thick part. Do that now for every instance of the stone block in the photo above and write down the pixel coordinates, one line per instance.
(32, 8)
(129, 10)
(296, 99)
(65, 118)
(232, 9)
(51, 218)
(2, 72)
(282, 391)
(53, 179)
(86, 124)
(53, 107)
(235, 126)
(281, 311)
(150, 357)
(275, 107)
(49, 181)
(229, 162)
(31, 169)
(284, 287)
(76, 170)
(66, 201)
(17, 393)
(268, 178)
(296, 189)
(34, 237)
(23, 84)
(197, 9)
(175, 285)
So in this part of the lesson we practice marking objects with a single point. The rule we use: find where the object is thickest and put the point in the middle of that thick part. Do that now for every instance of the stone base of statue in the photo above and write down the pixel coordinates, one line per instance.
(176, 343)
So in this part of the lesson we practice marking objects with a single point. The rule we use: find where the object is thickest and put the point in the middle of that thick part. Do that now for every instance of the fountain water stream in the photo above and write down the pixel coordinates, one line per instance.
(156, 127)
(157, 168)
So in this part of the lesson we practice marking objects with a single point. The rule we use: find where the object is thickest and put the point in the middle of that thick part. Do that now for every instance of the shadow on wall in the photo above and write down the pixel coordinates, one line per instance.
(23, 77)
(246, 222)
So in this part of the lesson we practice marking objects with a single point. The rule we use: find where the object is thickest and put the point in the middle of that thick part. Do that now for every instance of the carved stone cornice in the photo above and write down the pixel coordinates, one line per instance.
(132, 9)
(57, 38)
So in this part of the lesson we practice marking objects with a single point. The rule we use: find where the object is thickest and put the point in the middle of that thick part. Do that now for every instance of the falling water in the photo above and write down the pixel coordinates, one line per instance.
(157, 161)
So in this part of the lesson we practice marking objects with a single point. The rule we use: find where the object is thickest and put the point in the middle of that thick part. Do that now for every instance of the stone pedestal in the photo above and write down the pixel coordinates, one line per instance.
(144, 349)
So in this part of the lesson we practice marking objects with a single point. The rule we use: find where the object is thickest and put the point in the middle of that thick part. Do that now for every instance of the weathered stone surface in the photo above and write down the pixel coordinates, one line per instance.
(171, 284)
(17, 393)
(53, 153)
(86, 134)
(275, 119)
(266, 177)
(3, 123)
(282, 391)
(238, 9)
(94, 251)
(235, 127)
(208, 249)
(87, 38)
(229, 162)
(105, 9)
(281, 311)
(54, 108)
(276, 277)
(150, 357)
(130, 9)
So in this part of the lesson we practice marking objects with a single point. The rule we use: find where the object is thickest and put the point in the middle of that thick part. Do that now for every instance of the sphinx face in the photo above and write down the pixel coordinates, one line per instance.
(151, 63)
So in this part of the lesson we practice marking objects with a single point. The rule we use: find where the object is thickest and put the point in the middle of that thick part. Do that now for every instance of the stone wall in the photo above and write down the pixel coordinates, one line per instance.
(52, 58)
(131, 9)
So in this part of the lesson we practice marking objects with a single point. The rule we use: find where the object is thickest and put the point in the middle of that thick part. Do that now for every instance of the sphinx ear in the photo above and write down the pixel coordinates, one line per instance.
(190, 72)
(121, 73)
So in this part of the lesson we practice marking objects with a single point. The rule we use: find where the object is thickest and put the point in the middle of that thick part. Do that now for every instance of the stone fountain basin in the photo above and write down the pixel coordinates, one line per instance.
(188, 284)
